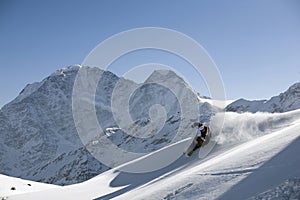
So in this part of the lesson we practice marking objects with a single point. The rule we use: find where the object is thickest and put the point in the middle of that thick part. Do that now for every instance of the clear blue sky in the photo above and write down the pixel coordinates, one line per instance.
(255, 44)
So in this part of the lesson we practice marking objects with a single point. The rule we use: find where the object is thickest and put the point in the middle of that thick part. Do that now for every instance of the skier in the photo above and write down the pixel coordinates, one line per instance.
(203, 131)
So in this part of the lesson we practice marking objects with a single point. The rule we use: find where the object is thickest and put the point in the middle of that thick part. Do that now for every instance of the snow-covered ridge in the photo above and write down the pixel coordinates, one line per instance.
(28, 90)
(286, 101)
(218, 103)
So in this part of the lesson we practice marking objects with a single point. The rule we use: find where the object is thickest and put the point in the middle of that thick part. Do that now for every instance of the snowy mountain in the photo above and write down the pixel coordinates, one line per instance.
(286, 101)
(39, 140)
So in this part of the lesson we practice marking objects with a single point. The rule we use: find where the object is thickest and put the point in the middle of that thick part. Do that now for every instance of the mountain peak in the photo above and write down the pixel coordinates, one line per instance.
(162, 73)
(164, 76)
(66, 70)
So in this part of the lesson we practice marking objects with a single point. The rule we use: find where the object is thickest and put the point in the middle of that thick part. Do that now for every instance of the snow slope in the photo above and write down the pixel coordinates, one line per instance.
(248, 168)
(222, 171)
(10, 185)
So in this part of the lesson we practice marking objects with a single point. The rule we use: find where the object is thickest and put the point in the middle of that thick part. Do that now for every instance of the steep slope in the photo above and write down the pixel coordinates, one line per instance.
(247, 170)
(269, 161)
(286, 101)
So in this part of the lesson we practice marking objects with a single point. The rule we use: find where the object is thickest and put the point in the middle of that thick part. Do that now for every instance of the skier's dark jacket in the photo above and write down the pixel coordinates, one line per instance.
(203, 132)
